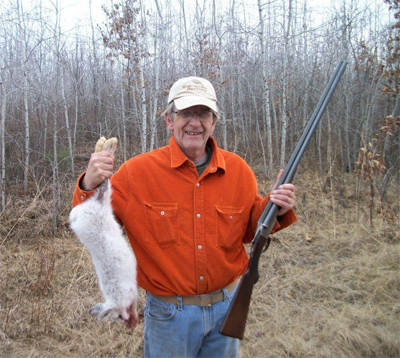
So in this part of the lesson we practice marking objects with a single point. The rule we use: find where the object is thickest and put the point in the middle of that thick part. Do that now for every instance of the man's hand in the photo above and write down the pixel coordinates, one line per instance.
(101, 163)
(283, 196)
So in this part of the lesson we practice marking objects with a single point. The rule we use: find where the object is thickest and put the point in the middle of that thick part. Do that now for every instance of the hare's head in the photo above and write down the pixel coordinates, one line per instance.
(110, 311)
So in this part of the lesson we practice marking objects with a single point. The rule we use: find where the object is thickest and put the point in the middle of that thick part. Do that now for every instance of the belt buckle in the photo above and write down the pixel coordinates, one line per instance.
(205, 300)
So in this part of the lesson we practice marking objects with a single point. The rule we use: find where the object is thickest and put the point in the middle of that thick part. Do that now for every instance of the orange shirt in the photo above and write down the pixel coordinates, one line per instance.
(187, 231)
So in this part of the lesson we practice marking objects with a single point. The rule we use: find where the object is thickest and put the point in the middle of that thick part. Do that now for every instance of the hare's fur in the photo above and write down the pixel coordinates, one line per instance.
(94, 224)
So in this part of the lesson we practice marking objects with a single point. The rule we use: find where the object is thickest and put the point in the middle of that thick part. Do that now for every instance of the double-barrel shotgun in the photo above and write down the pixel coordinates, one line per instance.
(235, 320)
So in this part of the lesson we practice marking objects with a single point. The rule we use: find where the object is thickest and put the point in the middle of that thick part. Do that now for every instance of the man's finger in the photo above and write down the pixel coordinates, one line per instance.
(278, 178)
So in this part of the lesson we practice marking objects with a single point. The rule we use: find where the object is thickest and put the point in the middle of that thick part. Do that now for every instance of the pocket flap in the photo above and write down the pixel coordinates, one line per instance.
(229, 214)
(162, 210)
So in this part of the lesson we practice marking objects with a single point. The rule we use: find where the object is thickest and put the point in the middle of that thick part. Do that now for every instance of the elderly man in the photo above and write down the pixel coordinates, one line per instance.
(187, 208)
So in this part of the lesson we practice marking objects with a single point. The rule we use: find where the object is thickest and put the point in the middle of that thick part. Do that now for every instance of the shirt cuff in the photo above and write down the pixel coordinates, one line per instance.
(287, 219)
(284, 220)
(80, 194)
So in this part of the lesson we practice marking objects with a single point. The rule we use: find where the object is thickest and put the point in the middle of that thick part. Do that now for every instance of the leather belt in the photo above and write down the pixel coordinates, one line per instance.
(200, 300)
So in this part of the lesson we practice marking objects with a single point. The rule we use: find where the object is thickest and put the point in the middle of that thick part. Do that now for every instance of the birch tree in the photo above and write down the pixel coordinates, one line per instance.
(123, 85)
(265, 89)
(2, 139)
(140, 53)
(24, 61)
(219, 38)
(285, 79)
(94, 67)
(158, 42)
(55, 101)
(66, 115)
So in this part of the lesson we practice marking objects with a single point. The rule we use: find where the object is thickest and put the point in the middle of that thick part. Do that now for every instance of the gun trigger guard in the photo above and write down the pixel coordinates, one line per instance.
(266, 245)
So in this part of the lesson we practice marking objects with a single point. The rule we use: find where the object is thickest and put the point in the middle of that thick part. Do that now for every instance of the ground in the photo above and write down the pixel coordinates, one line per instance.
(329, 287)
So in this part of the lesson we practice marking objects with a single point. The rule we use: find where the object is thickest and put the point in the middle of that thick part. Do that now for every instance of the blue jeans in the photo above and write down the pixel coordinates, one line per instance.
(186, 330)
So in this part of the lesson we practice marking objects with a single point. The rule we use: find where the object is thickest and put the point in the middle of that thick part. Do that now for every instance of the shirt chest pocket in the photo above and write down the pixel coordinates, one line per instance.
(231, 227)
(162, 224)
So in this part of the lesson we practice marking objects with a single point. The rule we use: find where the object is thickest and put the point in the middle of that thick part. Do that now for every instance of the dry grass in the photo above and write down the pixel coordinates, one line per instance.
(330, 285)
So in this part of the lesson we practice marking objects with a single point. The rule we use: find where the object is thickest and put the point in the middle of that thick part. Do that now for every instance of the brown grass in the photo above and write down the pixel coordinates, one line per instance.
(329, 287)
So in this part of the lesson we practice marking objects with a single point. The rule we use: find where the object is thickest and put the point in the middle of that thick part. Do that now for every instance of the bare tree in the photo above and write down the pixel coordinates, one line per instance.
(123, 85)
(94, 67)
(126, 36)
(24, 61)
(287, 29)
(266, 94)
(66, 115)
(157, 38)
(140, 53)
(2, 139)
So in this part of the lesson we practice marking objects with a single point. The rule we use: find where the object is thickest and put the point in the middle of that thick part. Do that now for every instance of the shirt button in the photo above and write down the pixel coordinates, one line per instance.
(201, 278)
(82, 197)
(198, 216)
(198, 184)
(199, 247)
(162, 212)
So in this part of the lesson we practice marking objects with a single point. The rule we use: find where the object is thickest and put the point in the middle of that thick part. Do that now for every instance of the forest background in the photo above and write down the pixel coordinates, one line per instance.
(330, 284)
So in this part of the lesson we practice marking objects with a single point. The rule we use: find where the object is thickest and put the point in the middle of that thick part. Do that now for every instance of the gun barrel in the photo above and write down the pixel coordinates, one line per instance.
(308, 132)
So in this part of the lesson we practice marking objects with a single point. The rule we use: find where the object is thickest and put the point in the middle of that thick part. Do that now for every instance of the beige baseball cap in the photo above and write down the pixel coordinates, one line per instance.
(193, 91)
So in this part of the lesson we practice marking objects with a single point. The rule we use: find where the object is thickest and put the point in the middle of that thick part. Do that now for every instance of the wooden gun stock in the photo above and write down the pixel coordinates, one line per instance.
(236, 317)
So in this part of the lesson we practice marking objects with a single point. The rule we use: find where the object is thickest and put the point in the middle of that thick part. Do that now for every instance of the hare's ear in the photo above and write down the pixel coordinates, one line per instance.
(95, 310)
(111, 313)
(99, 144)
(102, 311)
(110, 145)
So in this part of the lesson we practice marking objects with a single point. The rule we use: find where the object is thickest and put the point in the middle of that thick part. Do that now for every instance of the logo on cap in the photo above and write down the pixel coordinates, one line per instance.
(194, 88)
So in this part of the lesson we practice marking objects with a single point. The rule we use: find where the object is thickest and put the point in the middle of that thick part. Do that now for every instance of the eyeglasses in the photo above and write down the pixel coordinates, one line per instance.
(203, 115)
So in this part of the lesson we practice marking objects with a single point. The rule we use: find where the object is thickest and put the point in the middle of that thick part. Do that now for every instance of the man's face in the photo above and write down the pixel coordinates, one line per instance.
(191, 128)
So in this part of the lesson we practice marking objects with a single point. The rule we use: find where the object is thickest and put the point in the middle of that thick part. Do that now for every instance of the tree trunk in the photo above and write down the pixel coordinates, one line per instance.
(142, 85)
(265, 95)
(66, 117)
(285, 88)
(55, 184)
(94, 68)
(23, 44)
(157, 69)
(3, 146)
(124, 137)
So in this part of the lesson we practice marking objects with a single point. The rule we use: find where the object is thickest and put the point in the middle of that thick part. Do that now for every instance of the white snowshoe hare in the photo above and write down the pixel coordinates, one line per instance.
(94, 224)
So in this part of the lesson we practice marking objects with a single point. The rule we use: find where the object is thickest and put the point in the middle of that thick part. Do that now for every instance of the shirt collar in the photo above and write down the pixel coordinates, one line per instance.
(178, 158)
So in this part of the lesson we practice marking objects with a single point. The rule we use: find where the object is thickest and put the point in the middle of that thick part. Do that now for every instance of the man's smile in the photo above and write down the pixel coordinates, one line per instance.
(193, 133)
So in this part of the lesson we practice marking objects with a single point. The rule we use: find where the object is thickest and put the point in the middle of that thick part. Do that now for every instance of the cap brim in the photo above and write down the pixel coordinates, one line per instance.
(190, 101)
